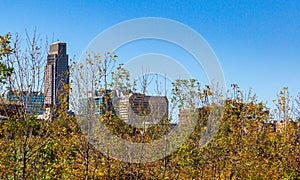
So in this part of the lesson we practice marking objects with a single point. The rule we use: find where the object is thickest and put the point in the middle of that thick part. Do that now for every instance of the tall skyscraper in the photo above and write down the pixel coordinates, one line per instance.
(56, 75)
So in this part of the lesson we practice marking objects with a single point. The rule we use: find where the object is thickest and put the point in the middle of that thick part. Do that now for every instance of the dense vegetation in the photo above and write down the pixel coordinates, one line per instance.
(247, 146)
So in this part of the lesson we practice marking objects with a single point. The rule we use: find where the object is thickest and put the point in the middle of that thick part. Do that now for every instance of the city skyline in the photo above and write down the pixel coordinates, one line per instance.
(149, 89)
(256, 43)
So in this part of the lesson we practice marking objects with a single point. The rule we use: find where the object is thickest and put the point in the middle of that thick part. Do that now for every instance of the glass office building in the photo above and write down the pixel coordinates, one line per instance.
(32, 102)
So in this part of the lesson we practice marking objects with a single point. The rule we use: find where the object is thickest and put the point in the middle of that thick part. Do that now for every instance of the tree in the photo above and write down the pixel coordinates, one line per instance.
(247, 145)
(5, 51)
(23, 133)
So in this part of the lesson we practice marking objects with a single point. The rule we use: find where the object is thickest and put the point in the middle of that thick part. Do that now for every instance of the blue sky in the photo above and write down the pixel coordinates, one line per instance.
(257, 43)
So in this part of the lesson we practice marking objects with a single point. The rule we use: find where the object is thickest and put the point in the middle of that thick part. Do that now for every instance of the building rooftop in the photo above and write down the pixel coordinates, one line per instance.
(58, 42)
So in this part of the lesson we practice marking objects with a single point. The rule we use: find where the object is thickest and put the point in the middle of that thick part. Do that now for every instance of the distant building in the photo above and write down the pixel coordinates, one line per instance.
(56, 75)
(32, 102)
(183, 116)
(280, 126)
(98, 102)
(101, 101)
(196, 115)
(139, 109)
(135, 108)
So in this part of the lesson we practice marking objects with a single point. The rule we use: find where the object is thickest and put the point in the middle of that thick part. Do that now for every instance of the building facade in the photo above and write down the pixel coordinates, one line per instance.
(96, 103)
(31, 102)
(101, 101)
(56, 76)
(141, 110)
(135, 108)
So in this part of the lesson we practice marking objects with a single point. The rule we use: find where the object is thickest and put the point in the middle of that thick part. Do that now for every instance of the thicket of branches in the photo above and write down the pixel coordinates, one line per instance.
(246, 146)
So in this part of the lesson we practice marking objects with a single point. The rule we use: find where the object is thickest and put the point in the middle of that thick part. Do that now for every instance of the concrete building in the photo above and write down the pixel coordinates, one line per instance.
(135, 108)
(56, 75)
(140, 110)
(197, 115)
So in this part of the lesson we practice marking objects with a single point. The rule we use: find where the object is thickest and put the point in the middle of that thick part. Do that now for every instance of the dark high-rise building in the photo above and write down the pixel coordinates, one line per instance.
(56, 75)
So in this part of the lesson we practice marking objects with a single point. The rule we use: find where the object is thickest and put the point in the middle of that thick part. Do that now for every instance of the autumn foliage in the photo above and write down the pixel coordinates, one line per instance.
(252, 142)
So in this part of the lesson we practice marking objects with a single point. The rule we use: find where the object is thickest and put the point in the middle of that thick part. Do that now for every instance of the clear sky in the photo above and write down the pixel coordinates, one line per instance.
(256, 42)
